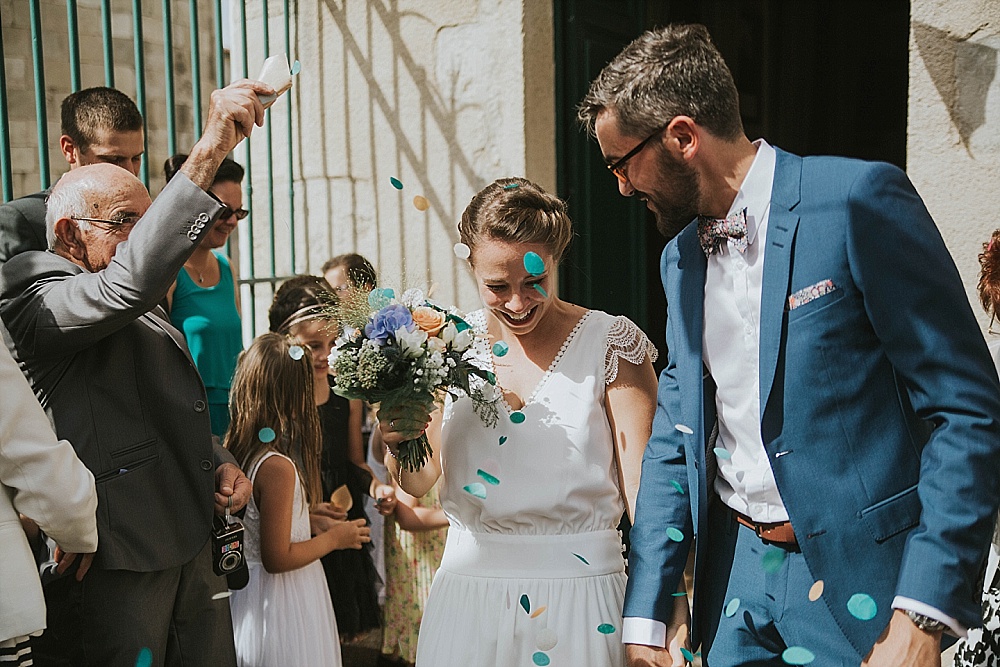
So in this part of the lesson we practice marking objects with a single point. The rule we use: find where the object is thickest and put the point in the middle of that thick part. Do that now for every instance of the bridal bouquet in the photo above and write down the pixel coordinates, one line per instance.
(405, 351)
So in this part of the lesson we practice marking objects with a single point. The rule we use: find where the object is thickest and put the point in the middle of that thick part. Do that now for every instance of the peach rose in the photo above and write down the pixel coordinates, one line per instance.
(428, 319)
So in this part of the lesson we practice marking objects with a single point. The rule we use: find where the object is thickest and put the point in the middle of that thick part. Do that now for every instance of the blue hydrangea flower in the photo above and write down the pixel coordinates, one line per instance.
(385, 322)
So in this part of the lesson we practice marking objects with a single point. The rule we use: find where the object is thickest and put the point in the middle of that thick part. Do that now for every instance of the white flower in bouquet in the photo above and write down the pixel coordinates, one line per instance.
(413, 298)
(411, 342)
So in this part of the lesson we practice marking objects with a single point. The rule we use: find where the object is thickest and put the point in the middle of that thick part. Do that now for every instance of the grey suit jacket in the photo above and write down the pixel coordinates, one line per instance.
(22, 225)
(117, 381)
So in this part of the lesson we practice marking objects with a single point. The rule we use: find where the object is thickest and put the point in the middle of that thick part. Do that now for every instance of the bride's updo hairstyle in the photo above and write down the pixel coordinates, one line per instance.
(516, 210)
(989, 275)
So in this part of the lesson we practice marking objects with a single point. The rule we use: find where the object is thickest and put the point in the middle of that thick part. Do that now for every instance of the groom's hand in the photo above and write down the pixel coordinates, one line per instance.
(903, 644)
(638, 655)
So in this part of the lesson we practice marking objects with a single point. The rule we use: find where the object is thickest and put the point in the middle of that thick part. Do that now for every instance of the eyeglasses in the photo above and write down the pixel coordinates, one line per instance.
(618, 166)
(119, 226)
(240, 213)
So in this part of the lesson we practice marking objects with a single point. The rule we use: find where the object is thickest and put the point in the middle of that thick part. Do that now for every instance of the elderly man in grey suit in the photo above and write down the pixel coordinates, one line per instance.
(117, 381)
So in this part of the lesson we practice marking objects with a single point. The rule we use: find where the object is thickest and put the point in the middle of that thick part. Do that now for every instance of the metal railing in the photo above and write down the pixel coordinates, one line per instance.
(254, 270)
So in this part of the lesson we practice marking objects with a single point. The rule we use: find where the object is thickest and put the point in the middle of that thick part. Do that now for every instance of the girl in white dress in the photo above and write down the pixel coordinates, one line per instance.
(533, 572)
(284, 615)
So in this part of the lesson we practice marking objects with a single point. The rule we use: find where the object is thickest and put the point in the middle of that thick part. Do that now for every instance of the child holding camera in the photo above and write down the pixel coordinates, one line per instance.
(284, 615)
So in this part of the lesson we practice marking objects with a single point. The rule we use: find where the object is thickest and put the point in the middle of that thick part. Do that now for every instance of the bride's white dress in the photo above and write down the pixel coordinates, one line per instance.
(532, 572)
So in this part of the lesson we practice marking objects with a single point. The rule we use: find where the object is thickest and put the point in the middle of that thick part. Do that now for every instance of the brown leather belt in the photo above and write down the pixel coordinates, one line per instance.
(779, 534)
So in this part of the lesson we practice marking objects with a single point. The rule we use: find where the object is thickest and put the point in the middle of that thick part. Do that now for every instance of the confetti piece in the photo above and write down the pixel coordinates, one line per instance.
(540, 659)
(222, 596)
(541, 290)
(420, 203)
(606, 628)
(517, 417)
(677, 486)
(675, 535)
(546, 639)
(538, 612)
(508, 599)
(500, 348)
(462, 251)
(683, 429)
(816, 591)
(396, 183)
(679, 594)
(722, 453)
(687, 655)
(476, 489)
(773, 559)
(144, 659)
(862, 607)
(503, 439)
(296, 68)
(582, 559)
(534, 264)
(511, 186)
(266, 435)
(525, 604)
(796, 655)
(296, 352)
(490, 479)
(731, 608)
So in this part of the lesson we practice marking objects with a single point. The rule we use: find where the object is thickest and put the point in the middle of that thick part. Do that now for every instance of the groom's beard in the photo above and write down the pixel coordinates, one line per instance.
(675, 204)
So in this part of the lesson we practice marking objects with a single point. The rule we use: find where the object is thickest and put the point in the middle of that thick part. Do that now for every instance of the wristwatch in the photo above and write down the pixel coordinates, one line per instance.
(926, 623)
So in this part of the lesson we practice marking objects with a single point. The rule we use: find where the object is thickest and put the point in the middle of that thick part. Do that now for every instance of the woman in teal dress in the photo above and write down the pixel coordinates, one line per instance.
(204, 300)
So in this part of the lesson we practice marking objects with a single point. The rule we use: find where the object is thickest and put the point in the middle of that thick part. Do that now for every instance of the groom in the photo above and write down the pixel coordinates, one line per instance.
(817, 321)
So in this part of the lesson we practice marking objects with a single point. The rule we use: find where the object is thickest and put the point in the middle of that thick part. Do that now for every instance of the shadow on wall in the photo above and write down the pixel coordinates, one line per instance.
(962, 72)
(436, 159)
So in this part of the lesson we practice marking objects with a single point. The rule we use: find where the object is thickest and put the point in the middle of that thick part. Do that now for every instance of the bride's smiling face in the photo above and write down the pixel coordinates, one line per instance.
(517, 298)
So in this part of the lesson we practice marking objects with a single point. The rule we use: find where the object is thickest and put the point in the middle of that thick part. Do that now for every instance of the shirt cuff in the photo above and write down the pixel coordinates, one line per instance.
(644, 631)
(909, 604)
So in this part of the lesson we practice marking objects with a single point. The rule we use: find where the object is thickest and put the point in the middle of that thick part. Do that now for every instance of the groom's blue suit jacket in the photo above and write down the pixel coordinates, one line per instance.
(879, 403)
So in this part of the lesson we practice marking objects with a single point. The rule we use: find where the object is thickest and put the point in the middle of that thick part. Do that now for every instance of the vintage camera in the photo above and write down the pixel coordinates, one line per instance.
(227, 545)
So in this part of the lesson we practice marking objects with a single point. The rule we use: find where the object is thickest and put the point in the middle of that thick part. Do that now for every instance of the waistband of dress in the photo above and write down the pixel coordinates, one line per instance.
(533, 556)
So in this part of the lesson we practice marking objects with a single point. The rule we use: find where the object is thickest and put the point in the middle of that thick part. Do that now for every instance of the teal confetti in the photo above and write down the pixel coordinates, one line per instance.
(511, 186)
(296, 68)
(396, 183)
(541, 290)
(525, 604)
(722, 453)
(266, 435)
(476, 489)
(500, 348)
(773, 559)
(540, 659)
(296, 352)
(503, 439)
(796, 655)
(533, 263)
(687, 655)
(517, 417)
(862, 607)
(731, 608)
(679, 594)
(490, 479)
(144, 659)
(606, 629)
(677, 485)
(582, 559)
(675, 535)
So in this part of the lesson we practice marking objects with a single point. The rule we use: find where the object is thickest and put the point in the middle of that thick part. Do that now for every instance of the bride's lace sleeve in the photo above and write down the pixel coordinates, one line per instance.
(626, 341)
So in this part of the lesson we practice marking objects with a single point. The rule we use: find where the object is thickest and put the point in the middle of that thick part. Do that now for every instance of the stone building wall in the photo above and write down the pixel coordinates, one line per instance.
(953, 144)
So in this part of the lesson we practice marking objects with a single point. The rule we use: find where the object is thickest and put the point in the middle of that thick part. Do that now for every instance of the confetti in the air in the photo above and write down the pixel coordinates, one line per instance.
(546, 639)
(266, 435)
(503, 439)
(511, 186)
(533, 263)
(540, 659)
(677, 486)
(462, 251)
(731, 608)
(420, 203)
(796, 655)
(722, 453)
(525, 604)
(144, 659)
(222, 596)
(296, 68)
(582, 559)
(606, 628)
(517, 417)
(675, 535)
(396, 183)
(773, 559)
(538, 612)
(687, 655)
(500, 348)
(541, 290)
(490, 479)
(862, 606)
(296, 352)
(476, 489)
(816, 590)
(683, 429)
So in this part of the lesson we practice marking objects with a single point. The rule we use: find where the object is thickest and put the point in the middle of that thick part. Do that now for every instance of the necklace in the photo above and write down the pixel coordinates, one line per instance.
(201, 276)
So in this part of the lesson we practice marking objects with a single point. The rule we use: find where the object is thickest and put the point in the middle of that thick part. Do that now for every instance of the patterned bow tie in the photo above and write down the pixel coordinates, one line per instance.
(712, 233)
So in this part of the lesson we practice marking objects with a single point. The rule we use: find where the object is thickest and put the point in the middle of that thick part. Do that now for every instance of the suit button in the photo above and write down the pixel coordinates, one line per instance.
(199, 405)
(206, 465)
(203, 217)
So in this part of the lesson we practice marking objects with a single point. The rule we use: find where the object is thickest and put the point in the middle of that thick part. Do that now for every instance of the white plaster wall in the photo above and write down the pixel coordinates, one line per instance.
(444, 95)
(953, 146)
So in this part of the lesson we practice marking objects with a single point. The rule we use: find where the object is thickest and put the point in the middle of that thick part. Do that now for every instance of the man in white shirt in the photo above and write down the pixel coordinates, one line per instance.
(816, 320)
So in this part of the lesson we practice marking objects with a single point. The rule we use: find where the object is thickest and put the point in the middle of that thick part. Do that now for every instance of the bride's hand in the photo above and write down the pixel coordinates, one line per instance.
(398, 423)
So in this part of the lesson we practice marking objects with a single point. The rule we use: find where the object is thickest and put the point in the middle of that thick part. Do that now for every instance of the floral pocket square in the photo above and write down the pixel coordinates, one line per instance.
(807, 294)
